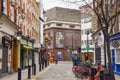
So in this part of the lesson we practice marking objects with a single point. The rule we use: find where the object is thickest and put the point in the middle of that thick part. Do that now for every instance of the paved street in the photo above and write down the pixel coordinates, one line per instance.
(61, 71)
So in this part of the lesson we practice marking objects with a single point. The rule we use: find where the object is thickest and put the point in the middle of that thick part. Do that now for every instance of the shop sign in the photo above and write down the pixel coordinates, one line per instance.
(22, 41)
(115, 44)
(30, 44)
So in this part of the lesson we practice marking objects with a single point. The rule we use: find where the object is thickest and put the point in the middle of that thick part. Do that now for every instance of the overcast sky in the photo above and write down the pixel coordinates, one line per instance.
(47, 4)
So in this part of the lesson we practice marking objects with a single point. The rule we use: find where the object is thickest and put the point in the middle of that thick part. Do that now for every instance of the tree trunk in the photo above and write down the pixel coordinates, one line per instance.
(109, 59)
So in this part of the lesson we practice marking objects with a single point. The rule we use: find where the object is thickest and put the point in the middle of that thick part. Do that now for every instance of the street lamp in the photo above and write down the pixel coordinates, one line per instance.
(87, 46)
(18, 36)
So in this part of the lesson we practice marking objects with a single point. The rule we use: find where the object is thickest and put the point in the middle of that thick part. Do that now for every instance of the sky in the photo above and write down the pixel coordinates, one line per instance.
(47, 4)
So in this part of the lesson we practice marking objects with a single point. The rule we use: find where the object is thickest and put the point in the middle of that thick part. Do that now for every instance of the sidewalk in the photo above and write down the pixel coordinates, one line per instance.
(24, 74)
(117, 77)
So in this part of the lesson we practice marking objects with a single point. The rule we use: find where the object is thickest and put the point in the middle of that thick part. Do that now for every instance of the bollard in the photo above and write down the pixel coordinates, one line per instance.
(34, 69)
(29, 72)
(101, 75)
(19, 73)
(48, 62)
(42, 65)
(39, 66)
(45, 63)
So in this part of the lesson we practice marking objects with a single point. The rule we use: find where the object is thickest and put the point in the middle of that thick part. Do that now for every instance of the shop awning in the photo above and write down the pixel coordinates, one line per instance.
(27, 47)
(115, 36)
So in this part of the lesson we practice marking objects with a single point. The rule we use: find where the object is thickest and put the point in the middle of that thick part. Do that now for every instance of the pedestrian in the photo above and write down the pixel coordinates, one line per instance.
(93, 72)
(56, 60)
(72, 56)
(75, 59)
(101, 70)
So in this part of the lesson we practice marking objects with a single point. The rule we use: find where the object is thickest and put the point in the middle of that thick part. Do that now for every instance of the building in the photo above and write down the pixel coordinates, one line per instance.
(87, 46)
(115, 46)
(62, 28)
(15, 15)
(100, 43)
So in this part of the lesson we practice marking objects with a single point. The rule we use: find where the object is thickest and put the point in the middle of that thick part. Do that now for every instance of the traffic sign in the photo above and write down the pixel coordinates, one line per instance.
(87, 47)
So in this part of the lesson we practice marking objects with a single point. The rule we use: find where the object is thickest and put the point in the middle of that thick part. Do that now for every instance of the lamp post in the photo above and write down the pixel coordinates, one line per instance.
(18, 35)
(87, 46)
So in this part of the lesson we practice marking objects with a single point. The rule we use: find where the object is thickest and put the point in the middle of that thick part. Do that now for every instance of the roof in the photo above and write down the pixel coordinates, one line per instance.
(63, 14)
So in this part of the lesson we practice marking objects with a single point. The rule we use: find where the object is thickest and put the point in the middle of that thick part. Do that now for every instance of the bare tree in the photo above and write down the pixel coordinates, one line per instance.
(106, 12)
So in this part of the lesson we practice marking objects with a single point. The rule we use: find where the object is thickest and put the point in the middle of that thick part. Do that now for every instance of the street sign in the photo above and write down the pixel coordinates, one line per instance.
(87, 47)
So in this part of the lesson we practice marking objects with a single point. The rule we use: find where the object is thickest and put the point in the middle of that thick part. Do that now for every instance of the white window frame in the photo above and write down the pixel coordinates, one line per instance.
(117, 56)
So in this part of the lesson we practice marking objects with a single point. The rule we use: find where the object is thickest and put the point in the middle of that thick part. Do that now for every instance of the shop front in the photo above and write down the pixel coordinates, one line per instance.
(26, 52)
(115, 52)
(7, 36)
(4, 55)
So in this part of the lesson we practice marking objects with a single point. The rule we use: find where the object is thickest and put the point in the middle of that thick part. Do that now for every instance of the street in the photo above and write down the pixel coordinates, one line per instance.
(60, 71)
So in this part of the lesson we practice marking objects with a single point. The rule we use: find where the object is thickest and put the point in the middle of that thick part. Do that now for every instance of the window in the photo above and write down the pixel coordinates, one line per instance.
(90, 30)
(58, 24)
(59, 43)
(4, 6)
(90, 42)
(71, 26)
(117, 59)
(81, 31)
(82, 42)
(44, 26)
(48, 25)
(86, 31)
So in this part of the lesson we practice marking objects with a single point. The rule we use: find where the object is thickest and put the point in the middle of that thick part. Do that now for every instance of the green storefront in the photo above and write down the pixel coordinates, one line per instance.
(25, 53)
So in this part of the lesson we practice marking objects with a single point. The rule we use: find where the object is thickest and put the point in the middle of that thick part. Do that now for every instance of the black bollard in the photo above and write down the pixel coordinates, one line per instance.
(34, 69)
(45, 63)
(39, 66)
(42, 65)
(101, 75)
(29, 72)
(19, 73)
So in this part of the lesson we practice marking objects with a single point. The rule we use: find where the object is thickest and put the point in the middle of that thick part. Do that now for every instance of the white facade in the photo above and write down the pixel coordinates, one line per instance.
(86, 26)
(66, 25)
(7, 28)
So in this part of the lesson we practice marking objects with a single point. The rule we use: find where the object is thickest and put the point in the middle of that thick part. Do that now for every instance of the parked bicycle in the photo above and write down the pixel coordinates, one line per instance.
(84, 71)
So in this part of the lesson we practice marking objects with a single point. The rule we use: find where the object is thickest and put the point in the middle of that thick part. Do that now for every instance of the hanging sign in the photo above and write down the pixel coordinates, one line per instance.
(115, 44)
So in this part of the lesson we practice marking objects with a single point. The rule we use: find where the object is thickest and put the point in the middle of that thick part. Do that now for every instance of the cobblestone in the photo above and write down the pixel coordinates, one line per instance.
(61, 71)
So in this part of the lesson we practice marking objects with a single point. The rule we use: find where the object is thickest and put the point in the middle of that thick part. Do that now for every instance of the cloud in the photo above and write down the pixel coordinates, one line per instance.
(47, 4)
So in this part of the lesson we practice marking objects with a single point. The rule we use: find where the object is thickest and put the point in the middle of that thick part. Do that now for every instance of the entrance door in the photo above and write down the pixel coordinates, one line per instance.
(5, 60)
(98, 55)
(113, 59)
(59, 55)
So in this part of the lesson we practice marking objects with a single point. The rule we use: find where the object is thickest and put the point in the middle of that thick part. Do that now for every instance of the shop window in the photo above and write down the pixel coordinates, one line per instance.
(117, 56)
(59, 43)
(71, 26)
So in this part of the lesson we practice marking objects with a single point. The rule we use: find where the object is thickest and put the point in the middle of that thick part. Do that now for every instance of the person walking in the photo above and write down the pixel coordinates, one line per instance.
(56, 60)
(75, 60)
(101, 70)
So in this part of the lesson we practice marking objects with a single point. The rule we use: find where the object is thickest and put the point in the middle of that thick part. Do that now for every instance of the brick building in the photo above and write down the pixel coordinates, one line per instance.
(62, 28)
(14, 15)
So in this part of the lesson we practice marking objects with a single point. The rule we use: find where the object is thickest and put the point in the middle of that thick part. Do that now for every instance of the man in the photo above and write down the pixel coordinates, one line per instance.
(75, 59)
